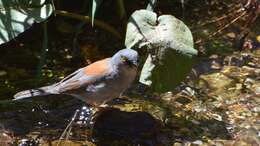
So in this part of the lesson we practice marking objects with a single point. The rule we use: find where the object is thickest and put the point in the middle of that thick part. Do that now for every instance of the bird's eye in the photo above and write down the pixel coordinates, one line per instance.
(123, 59)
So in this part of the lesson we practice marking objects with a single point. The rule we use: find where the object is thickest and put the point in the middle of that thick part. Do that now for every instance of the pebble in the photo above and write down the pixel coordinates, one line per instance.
(257, 90)
(198, 142)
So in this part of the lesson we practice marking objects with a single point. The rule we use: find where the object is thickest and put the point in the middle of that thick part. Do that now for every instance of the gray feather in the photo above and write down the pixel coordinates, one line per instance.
(47, 90)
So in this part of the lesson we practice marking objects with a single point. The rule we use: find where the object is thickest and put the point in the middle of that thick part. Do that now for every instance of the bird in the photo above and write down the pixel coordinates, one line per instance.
(96, 83)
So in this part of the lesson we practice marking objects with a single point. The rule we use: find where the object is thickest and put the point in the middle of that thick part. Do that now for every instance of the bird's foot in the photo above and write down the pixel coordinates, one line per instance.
(98, 110)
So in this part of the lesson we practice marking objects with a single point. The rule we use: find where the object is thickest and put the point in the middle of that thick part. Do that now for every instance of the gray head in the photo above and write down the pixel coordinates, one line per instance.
(126, 57)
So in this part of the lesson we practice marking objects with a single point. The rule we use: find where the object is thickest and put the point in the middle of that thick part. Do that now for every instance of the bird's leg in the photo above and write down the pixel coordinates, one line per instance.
(98, 110)
(102, 107)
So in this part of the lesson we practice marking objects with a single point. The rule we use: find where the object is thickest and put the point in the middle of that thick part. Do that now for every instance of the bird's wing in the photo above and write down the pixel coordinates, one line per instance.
(84, 76)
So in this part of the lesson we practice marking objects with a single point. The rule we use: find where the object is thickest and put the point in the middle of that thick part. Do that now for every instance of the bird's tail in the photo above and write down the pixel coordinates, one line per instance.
(47, 90)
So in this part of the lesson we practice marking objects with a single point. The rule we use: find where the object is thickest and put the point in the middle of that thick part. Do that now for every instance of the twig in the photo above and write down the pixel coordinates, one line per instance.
(224, 27)
(87, 19)
(43, 52)
(66, 130)
(227, 25)
(222, 17)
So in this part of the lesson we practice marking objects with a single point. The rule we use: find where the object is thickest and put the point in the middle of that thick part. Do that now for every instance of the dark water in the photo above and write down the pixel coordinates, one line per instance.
(25, 65)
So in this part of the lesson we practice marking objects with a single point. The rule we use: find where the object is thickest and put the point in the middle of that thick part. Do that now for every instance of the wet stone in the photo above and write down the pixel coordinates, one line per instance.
(114, 125)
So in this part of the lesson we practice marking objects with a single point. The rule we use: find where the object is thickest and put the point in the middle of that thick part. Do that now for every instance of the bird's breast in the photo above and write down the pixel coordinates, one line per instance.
(111, 87)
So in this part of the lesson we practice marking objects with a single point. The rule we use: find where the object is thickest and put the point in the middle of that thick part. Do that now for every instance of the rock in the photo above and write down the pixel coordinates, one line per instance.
(5, 139)
(114, 125)
(215, 82)
(69, 143)
(198, 142)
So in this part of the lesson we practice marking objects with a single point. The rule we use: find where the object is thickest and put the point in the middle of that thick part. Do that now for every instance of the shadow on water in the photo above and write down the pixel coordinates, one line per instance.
(21, 117)
(115, 127)
(111, 126)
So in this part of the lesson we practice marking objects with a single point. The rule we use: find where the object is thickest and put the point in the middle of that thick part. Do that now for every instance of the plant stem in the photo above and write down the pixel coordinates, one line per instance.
(87, 19)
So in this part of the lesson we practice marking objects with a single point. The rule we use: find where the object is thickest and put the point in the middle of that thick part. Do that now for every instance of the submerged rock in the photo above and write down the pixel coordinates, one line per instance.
(113, 126)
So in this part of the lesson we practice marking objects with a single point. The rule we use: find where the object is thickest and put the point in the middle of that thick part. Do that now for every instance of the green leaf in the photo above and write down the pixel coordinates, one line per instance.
(17, 16)
(170, 46)
(151, 5)
(95, 5)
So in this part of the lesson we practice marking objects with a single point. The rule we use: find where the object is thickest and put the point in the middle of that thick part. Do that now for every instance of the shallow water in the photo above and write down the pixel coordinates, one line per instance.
(218, 104)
